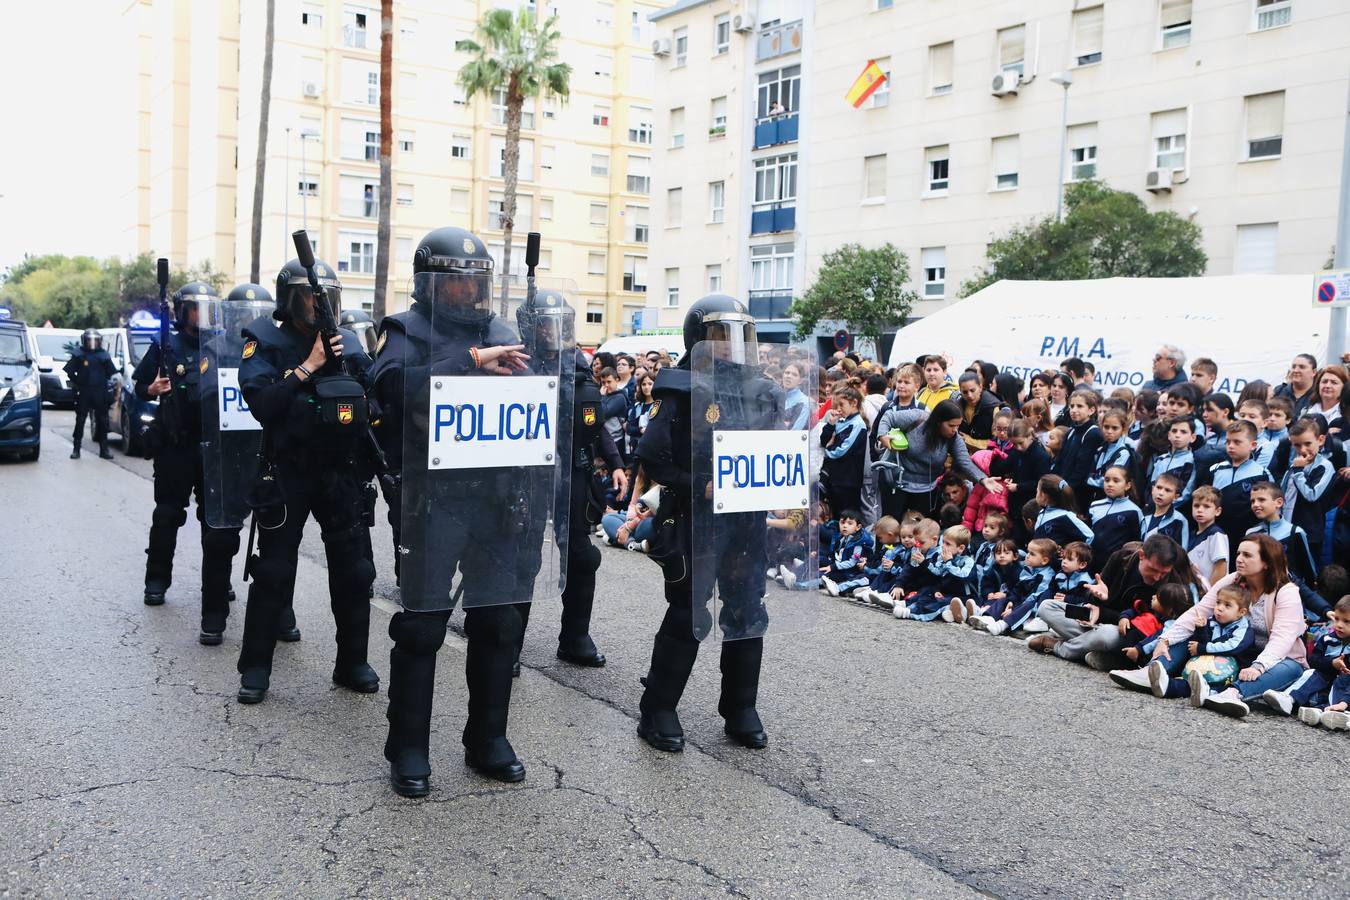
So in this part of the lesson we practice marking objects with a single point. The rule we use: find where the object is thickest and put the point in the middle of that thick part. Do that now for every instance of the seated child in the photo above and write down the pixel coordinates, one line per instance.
(1071, 583)
(850, 553)
(995, 528)
(1057, 519)
(923, 546)
(948, 515)
(1019, 606)
(1164, 517)
(1144, 628)
(1001, 580)
(941, 579)
(1324, 688)
(1228, 636)
(893, 544)
(633, 531)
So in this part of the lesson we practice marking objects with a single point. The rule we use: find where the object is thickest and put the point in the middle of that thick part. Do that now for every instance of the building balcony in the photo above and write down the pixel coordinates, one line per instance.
(778, 40)
(770, 305)
(772, 218)
(776, 130)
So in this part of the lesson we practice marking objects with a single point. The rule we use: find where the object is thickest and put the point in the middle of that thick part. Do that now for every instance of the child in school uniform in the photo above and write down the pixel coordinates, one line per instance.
(1057, 520)
(940, 579)
(1179, 461)
(996, 528)
(844, 438)
(1208, 547)
(849, 555)
(1256, 412)
(1000, 582)
(1267, 505)
(1071, 582)
(1145, 411)
(1078, 453)
(1115, 518)
(1326, 683)
(1116, 450)
(1026, 463)
(1305, 485)
(1021, 603)
(887, 560)
(1165, 517)
(1229, 633)
(1234, 479)
(1145, 627)
(926, 537)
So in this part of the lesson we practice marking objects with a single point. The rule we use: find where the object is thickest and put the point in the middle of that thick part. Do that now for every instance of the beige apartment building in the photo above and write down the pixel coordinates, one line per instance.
(585, 175)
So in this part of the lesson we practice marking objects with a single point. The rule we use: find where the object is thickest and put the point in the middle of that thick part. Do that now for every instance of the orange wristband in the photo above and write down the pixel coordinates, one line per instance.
(477, 363)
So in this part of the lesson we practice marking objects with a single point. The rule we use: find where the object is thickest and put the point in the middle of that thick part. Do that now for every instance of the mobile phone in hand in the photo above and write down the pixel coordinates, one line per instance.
(1077, 611)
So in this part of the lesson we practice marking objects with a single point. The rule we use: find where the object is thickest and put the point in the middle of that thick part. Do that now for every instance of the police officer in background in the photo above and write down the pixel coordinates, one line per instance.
(89, 370)
(665, 455)
(451, 329)
(314, 463)
(545, 325)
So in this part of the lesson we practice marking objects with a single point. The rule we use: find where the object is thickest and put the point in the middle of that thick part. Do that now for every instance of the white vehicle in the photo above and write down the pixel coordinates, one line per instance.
(638, 344)
(54, 347)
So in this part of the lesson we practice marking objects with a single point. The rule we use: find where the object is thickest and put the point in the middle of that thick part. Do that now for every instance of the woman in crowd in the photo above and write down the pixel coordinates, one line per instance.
(934, 442)
(1330, 382)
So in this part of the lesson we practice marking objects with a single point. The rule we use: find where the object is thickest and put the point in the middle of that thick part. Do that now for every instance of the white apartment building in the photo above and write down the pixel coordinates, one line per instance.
(730, 156)
(1227, 112)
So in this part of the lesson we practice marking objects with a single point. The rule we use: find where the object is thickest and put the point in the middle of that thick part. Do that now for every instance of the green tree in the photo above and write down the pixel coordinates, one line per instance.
(82, 292)
(1105, 234)
(862, 287)
(517, 55)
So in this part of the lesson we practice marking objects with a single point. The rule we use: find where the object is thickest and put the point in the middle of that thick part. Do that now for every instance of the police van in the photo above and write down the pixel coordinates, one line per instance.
(130, 417)
(20, 392)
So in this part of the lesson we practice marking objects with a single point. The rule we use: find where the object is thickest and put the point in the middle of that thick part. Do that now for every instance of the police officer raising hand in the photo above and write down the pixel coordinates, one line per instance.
(505, 360)
(316, 359)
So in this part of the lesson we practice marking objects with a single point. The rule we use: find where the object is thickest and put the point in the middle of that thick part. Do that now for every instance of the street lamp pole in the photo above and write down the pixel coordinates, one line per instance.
(1064, 79)
(286, 192)
(304, 196)
(1336, 324)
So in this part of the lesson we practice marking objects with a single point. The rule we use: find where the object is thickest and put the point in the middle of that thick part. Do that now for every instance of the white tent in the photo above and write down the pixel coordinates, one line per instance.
(1251, 325)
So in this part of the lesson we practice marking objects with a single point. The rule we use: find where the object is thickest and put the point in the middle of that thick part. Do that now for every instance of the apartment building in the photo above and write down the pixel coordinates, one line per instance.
(585, 163)
(730, 157)
(1228, 112)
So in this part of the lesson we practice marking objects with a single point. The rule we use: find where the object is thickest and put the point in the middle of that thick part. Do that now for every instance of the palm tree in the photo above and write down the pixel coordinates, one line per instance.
(260, 169)
(518, 55)
(386, 167)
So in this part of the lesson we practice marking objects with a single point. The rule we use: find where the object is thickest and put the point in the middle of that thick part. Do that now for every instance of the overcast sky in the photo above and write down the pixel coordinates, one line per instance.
(63, 170)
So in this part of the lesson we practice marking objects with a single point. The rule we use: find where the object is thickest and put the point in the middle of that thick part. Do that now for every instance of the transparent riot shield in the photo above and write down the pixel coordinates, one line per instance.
(231, 437)
(754, 551)
(484, 427)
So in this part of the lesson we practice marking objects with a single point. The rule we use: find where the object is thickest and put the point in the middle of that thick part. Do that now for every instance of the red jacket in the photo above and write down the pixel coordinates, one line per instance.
(983, 501)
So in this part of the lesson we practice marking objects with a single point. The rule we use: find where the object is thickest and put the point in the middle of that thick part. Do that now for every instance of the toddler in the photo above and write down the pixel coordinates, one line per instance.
(849, 556)
(1020, 604)
(939, 579)
(1322, 693)
(1228, 636)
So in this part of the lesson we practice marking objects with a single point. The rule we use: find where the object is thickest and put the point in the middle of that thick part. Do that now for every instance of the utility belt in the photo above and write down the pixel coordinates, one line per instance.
(582, 458)
(340, 405)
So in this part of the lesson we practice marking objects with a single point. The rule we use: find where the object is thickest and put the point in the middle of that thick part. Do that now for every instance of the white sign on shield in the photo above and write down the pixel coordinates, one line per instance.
(234, 414)
(489, 423)
(757, 471)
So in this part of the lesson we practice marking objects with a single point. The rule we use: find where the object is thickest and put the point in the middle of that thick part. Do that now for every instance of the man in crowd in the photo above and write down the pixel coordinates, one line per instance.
(1169, 368)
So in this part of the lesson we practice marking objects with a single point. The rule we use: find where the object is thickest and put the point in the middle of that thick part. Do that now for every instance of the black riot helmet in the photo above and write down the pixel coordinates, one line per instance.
(452, 274)
(292, 281)
(352, 317)
(725, 320)
(91, 340)
(359, 322)
(249, 293)
(186, 298)
(546, 323)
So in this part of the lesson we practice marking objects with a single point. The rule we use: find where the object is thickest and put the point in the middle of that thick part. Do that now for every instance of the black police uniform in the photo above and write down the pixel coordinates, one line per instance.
(665, 455)
(493, 631)
(590, 441)
(175, 439)
(315, 468)
(89, 371)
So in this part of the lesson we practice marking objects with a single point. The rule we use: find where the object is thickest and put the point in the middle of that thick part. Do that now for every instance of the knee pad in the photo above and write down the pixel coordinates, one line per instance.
(221, 542)
(494, 626)
(272, 573)
(418, 634)
(166, 516)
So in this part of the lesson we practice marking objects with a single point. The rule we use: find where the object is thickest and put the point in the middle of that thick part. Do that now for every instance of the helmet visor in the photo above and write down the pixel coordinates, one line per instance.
(463, 297)
(302, 301)
(733, 337)
(92, 341)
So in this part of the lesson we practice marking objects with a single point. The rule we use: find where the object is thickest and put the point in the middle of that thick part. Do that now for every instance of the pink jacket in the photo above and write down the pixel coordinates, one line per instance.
(1284, 619)
(982, 501)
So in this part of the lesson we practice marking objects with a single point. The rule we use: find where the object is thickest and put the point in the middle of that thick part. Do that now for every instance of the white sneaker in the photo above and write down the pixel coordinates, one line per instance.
(1279, 700)
(785, 575)
(771, 574)
(1158, 679)
(958, 610)
(1134, 679)
(947, 614)
(644, 545)
(1036, 625)
(999, 626)
(830, 587)
(885, 601)
(900, 610)
(1229, 702)
(633, 545)
(1310, 715)
(973, 609)
(1199, 687)
(1336, 720)
(861, 593)
(980, 623)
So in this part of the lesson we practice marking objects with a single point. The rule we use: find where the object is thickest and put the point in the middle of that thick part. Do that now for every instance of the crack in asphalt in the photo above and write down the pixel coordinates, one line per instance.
(333, 830)
(278, 776)
(7, 801)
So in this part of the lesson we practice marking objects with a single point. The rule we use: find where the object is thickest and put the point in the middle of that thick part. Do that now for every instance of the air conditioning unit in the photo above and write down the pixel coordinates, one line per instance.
(661, 47)
(1006, 83)
(1159, 181)
(744, 23)
(311, 88)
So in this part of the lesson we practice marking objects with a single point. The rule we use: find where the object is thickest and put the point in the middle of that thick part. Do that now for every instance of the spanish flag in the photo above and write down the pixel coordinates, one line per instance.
(866, 84)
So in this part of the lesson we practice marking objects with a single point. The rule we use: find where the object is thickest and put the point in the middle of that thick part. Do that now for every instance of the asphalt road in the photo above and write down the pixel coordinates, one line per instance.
(906, 759)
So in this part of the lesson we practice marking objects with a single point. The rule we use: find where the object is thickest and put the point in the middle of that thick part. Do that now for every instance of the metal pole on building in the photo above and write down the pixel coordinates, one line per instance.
(286, 192)
(304, 197)
(1064, 79)
(1336, 325)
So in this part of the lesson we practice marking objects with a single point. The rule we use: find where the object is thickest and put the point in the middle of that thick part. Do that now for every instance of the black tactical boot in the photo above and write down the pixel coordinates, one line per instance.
(75, 451)
(103, 451)
(672, 662)
(740, 688)
(213, 629)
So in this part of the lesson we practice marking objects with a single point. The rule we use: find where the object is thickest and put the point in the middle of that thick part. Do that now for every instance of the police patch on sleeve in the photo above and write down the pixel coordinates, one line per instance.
(205, 364)
(588, 415)
(656, 408)
(249, 348)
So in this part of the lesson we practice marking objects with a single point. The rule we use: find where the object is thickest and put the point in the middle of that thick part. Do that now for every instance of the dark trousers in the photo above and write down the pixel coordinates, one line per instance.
(898, 502)
(583, 561)
(95, 409)
(330, 490)
(845, 497)
(178, 481)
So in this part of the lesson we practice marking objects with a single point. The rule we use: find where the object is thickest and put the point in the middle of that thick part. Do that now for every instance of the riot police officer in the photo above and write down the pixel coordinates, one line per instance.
(315, 462)
(459, 518)
(546, 326)
(665, 455)
(89, 369)
(171, 375)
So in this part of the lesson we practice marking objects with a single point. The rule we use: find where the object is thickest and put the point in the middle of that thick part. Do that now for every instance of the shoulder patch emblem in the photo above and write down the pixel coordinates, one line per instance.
(713, 414)
(588, 415)
(206, 363)
(379, 345)
(656, 408)
(249, 349)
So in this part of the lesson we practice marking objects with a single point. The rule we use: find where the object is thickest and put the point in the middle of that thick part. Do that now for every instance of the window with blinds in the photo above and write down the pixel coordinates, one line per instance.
(1087, 36)
(1257, 249)
(1273, 13)
(1265, 125)
(1005, 151)
(874, 177)
(1169, 139)
(1012, 48)
(1082, 152)
(940, 61)
(1174, 20)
